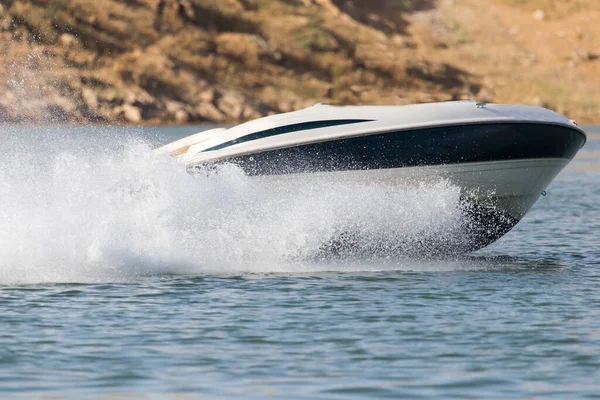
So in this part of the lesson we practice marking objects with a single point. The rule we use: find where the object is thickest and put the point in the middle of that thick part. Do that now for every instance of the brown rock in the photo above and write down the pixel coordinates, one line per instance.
(109, 95)
(207, 96)
(54, 108)
(173, 106)
(231, 105)
(402, 42)
(181, 116)
(347, 97)
(250, 113)
(63, 103)
(131, 113)
(90, 98)
(5, 24)
(285, 106)
(130, 98)
(329, 6)
(67, 40)
(241, 46)
(210, 112)
(378, 56)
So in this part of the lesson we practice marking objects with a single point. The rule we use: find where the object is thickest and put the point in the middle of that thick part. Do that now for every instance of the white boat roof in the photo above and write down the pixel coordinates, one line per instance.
(378, 119)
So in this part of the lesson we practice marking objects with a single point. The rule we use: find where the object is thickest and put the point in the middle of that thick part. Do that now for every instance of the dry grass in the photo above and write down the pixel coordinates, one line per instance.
(520, 59)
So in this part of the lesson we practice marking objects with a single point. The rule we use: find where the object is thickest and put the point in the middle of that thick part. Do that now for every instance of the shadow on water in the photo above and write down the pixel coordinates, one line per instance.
(365, 268)
(389, 267)
(517, 264)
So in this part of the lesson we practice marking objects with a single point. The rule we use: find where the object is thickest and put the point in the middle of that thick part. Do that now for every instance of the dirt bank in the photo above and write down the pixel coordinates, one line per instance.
(181, 61)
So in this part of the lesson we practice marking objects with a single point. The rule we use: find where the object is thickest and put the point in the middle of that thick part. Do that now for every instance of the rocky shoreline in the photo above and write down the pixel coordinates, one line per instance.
(192, 61)
(180, 61)
(74, 96)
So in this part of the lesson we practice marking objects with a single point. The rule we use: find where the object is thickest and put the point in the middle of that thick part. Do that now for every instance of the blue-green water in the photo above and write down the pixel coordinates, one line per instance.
(123, 276)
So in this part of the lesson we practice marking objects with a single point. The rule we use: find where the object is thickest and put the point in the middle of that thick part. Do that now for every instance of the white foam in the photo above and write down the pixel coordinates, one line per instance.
(101, 207)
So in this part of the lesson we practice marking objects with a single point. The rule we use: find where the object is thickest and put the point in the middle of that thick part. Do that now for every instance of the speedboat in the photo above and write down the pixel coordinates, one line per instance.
(502, 157)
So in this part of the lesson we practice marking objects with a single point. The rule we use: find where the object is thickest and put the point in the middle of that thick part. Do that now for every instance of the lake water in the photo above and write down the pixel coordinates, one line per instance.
(123, 276)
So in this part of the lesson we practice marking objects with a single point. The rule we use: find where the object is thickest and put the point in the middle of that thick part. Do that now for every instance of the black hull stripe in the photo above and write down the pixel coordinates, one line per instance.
(304, 126)
(430, 146)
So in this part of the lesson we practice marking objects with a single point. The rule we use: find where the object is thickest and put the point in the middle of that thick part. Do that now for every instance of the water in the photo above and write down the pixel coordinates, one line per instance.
(123, 276)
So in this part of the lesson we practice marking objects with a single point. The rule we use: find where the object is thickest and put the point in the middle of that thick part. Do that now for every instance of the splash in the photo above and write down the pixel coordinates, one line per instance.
(99, 206)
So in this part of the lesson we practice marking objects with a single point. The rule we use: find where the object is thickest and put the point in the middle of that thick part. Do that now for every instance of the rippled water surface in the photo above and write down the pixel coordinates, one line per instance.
(122, 276)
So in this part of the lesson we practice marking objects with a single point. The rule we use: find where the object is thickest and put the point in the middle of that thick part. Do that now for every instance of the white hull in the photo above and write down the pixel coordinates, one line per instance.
(511, 186)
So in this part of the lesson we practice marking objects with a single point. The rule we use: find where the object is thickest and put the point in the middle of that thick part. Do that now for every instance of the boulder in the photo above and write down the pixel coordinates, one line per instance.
(173, 106)
(250, 113)
(241, 46)
(402, 42)
(109, 95)
(378, 56)
(181, 116)
(67, 40)
(231, 105)
(285, 106)
(130, 113)
(177, 111)
(329, 6)
(207, 96)
(63, 103)
(209, 112)
(90, 99)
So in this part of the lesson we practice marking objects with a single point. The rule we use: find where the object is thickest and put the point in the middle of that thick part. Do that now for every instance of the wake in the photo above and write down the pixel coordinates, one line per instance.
(98, 205)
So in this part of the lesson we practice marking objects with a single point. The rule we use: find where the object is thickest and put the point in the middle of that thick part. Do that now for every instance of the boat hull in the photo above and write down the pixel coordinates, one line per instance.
(500, 167)
(495, 195)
